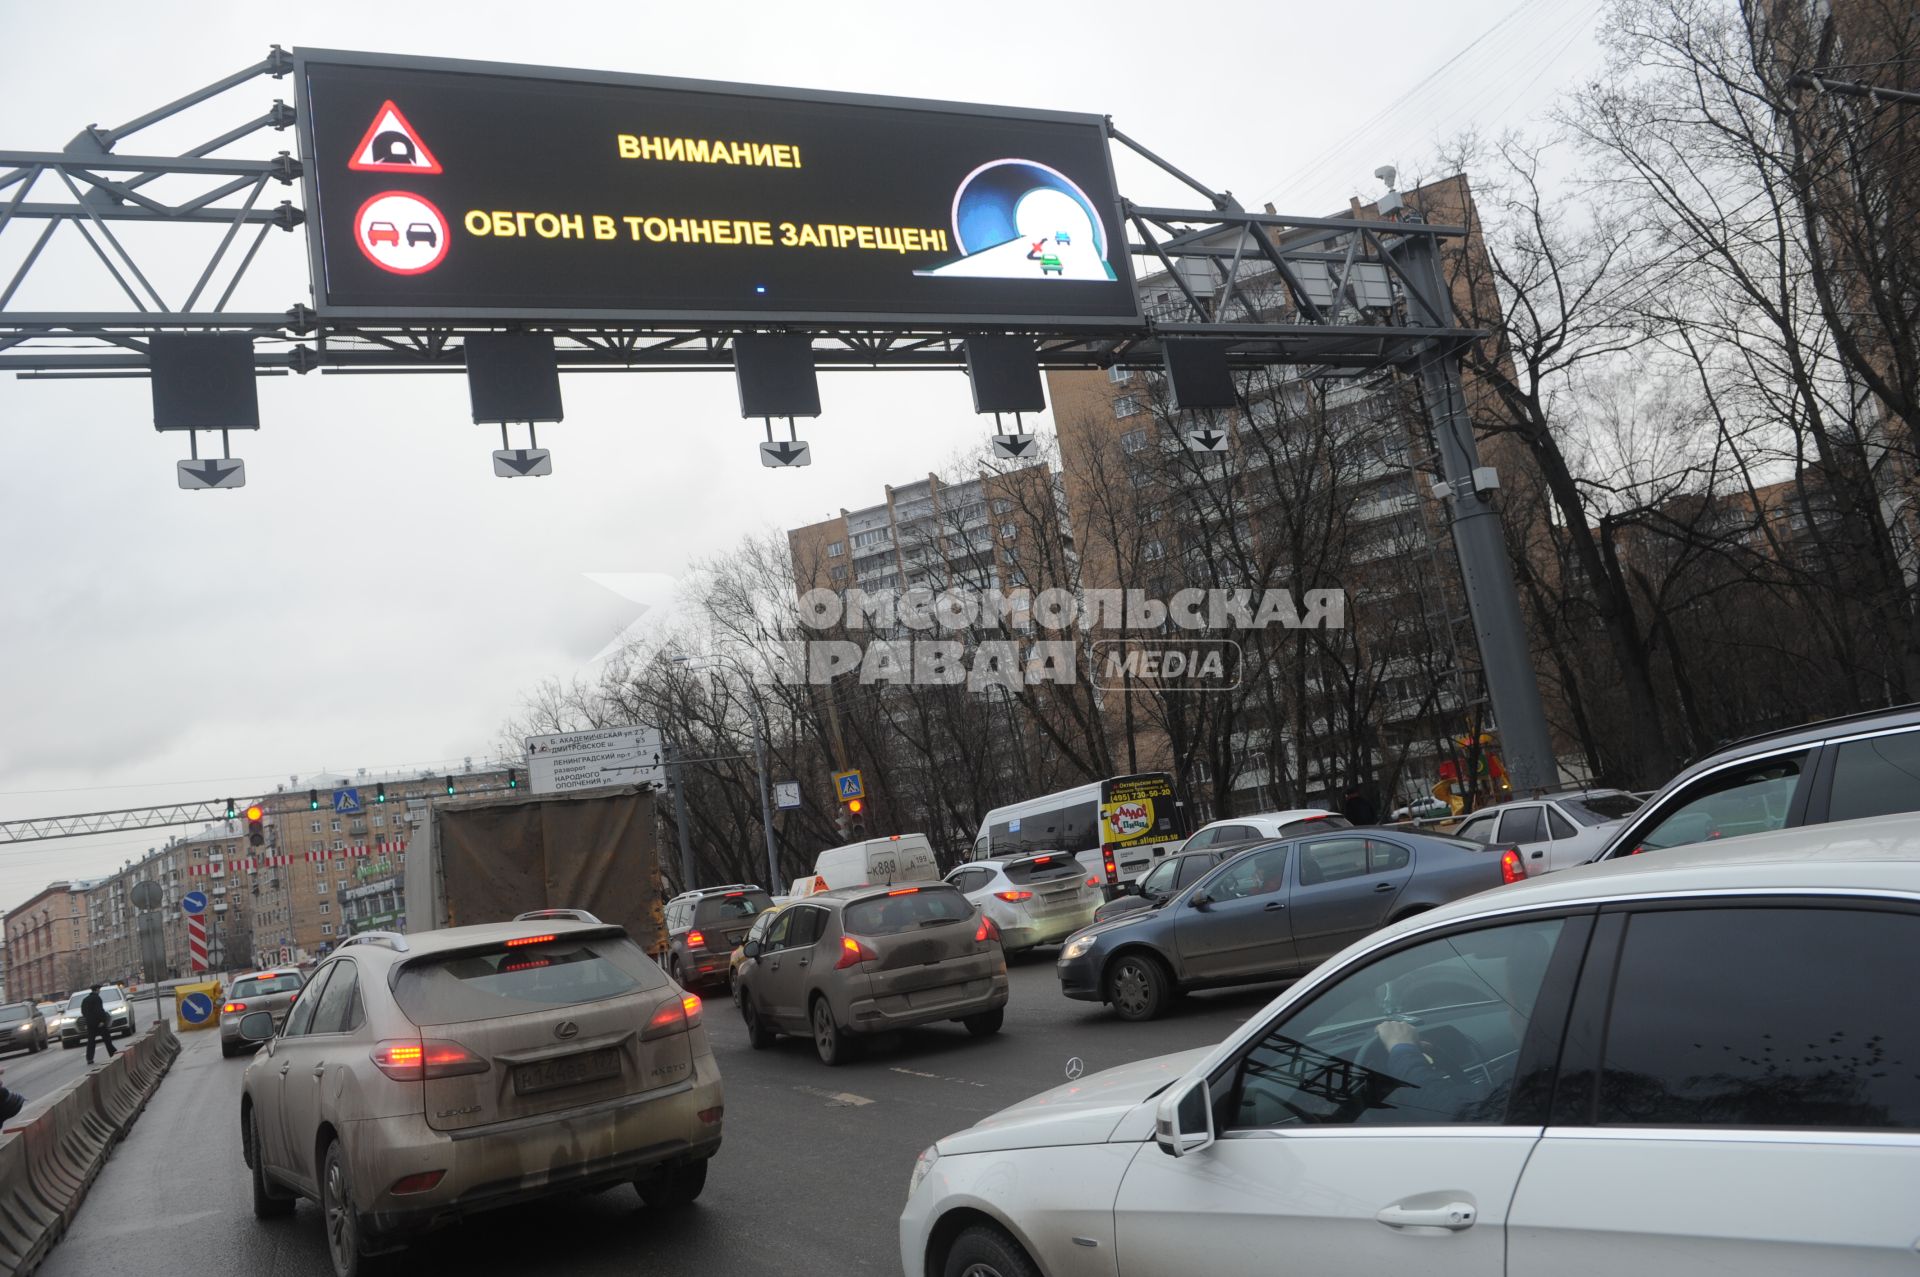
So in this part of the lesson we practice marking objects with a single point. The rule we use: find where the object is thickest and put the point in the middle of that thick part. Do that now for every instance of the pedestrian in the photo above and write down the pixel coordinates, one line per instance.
(11, 1102)
(93, 1014)
(1358, 808)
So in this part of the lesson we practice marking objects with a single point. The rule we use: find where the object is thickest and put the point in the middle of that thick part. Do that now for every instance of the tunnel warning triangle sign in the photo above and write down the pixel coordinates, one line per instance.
(392, 145)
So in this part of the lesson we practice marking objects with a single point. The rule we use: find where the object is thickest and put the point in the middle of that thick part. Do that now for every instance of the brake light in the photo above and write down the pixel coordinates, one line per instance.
(696, 940)
(526, 964)
(853, 951)
(733, 895)
(233, 1007)
(405, 1061)
(295, 998)
(986, 930)
(674, 1016)
(1093, 882)
(1043, 860)
(1512, 868)
(526, 940)
(1013, 897)
(903, 891)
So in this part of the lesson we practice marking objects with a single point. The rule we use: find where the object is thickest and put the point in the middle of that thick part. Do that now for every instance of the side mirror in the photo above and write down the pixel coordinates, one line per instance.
(1183, 1123)
(256, 1026)
(1201, 901)
(751, 948)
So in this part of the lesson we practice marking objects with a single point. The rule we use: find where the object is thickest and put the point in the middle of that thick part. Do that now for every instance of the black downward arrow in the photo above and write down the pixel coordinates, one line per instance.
(1209, 439)
(520, 462)
(210, 473)
(1017, 446)
(786, 452)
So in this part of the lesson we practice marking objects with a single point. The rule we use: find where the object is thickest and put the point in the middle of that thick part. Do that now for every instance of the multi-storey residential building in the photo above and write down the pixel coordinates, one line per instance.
(47, 952)
(182, 865)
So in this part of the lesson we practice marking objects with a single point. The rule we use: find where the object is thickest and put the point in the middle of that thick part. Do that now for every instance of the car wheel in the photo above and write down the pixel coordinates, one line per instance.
(336, 1208)
(268, 1203)
(829, 1040)
(986, 1251)
(673, 1186)
(1137, 987)
(66, 1045)
(759, 1036)
(987, 1023)
(673, 972)
(228, 1050)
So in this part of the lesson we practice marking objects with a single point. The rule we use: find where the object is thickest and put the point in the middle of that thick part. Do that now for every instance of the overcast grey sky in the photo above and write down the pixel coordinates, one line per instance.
(375, 597)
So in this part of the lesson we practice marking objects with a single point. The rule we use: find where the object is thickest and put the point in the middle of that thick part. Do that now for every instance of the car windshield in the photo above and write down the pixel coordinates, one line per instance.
(501, 981)
(734, 906)
(1598, 809)
(898, 912)
(260, 986)
(18, 1011)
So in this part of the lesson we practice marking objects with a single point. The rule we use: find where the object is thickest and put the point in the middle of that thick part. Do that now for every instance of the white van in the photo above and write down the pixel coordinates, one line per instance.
(900, 858)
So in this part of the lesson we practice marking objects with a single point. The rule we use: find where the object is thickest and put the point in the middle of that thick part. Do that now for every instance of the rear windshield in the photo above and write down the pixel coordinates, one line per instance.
(1042, 869)
(1313, 825)
(895, 914)
(18, 1011)
(259, 986)
(485, 986)
(1596, 809)
(107, 998)
(734, 906)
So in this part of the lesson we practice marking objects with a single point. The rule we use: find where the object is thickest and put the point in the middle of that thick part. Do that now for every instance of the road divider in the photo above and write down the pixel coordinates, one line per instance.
(48, 1163)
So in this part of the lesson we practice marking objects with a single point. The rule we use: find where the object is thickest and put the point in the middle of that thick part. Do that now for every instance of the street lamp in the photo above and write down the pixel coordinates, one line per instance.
(759, 763)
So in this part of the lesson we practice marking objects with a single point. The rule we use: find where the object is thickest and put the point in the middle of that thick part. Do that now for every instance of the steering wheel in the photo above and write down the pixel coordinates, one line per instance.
(1452, 1052)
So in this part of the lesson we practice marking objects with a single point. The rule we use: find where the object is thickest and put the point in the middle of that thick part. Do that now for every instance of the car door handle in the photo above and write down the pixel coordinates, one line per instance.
(1539, 854)
(801, 962)
(1383, 886)
(318, 1069)
(1274, 906)
(285, 1067)
(1453, 1216)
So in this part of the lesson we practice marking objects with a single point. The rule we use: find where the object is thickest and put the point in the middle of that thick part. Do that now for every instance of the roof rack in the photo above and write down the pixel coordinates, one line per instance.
(1818, 724)
(391, 939)
(556, 915)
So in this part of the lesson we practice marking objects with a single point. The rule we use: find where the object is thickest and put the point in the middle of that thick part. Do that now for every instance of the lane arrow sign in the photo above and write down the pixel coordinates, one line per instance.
(1207, 440)
(776, 455)
(201, 475)
(1014, 447)
(522, 463)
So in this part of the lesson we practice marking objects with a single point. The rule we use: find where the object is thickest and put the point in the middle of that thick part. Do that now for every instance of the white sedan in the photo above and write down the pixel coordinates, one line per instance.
(1034, 900)
(1557, 831)
(1619, 1068)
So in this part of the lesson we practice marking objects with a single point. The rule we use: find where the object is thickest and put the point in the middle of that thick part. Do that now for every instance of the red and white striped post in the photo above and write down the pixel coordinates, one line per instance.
(197, 941)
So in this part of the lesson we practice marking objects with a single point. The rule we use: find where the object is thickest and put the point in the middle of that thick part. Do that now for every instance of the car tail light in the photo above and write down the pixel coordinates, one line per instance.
(904, 891)
(410, 1061)
(1093, 882)
(233, 1008)
(1013, 897)
(1512, 868)
(295, 998)
(1043, 860)
(676, 1015)
(696, 940)
(416, 1183)
(987, 930)
(711, 1116)
(526, 940)
(853, 951)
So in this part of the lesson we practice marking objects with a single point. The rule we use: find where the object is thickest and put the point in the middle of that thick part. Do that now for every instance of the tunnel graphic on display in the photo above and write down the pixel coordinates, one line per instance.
(1020, 219)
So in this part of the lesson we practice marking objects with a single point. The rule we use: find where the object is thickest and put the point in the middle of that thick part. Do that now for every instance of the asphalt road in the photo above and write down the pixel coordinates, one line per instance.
(810, 1180)
(38, 1077)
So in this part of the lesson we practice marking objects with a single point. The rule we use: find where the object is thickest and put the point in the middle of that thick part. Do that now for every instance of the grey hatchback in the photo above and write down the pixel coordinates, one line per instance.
(1274, 910)
(869, 959)
(272, 991)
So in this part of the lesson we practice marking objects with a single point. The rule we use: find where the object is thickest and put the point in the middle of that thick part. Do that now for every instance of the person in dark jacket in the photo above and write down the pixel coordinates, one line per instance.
(1358, 808)
(93, 1014)
(11, 1102)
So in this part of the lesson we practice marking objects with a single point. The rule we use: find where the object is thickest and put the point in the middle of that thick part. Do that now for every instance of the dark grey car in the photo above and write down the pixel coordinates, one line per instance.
(1274, 910)
(705, 926)
(1841, 769)
(272, 991)
(1174, 874)
(22, 1028)
(862, 960)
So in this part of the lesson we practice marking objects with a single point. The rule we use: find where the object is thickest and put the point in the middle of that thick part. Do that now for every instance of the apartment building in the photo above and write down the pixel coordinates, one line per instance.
(47, 953)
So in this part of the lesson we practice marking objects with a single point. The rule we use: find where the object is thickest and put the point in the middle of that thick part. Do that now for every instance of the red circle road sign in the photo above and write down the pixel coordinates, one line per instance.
(401, 232)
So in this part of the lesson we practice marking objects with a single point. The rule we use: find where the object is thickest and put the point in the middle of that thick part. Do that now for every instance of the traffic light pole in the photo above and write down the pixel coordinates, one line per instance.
(766, 797)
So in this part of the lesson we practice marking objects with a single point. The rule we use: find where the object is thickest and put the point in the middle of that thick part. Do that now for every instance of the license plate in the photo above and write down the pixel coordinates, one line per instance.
(568, 1070)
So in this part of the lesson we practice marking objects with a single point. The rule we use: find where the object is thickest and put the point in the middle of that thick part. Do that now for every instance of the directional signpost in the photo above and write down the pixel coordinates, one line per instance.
(194, 905)
(586, 760)
(786, 453)
(1015, 447)
(522, 463)
(201, 475)
(196, 1008)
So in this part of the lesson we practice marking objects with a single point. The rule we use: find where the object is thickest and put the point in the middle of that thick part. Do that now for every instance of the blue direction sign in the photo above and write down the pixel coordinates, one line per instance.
(848, 783)
(196, 1008)
(347, 802)
(194, 902)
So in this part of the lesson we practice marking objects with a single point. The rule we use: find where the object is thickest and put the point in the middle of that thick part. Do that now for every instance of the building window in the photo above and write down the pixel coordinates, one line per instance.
(1125, 406)
(1133, 441)
(326, 906)
(1009, 531)
(1001, 505)
(342, 884)
(837, 574)
(869, 538)
(339, 844)
(1153, 550)
(326, 928)
(836, 549)
(316, 826)
(1119, 376)
(379, 821)
(321, 887)
(336, 825)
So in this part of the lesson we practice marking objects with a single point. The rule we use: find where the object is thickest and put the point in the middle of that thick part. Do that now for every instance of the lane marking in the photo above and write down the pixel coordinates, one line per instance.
(938, 1077)
(835, 1099)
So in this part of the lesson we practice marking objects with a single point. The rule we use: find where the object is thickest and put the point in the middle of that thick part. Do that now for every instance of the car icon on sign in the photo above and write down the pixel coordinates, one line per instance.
(421, 233)
(1061, 237)
(1050, 265)
(383, 233)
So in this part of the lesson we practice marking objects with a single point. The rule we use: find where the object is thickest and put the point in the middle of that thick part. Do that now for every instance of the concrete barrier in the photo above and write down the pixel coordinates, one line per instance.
(48, 1163)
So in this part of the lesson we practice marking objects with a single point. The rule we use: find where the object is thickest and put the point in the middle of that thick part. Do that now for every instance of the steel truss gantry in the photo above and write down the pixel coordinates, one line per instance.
(1240, 279)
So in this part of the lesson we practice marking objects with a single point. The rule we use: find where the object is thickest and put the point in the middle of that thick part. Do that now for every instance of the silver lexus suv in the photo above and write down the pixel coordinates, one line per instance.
(422, 1078)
